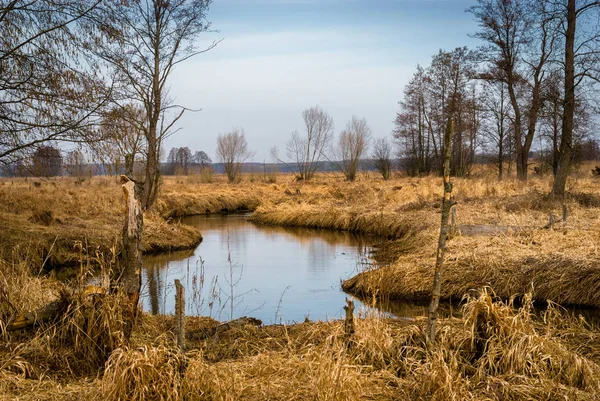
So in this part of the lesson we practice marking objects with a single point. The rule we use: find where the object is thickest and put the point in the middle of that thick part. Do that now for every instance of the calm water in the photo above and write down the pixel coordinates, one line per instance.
(272, 273)
(277, 274)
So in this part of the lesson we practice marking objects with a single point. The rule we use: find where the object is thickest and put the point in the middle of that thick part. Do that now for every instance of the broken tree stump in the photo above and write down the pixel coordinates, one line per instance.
(453, 227)
(130, 277)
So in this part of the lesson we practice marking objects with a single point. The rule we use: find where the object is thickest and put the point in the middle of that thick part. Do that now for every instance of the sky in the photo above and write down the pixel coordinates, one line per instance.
(277, 58)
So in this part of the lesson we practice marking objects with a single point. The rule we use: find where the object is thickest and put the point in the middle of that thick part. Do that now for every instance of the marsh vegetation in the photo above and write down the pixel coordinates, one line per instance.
(495, 345)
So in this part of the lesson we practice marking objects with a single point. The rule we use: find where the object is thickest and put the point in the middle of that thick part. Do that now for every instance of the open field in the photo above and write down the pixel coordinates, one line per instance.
(491, 352)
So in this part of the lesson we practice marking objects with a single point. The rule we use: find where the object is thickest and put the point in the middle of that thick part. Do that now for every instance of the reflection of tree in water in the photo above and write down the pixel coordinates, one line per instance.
(154, 265)
(320, 244)
(238, 224)
(154, 288)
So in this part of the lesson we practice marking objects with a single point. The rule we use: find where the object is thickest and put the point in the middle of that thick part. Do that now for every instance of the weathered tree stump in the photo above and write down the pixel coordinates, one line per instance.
(130, 277)
(349, 322)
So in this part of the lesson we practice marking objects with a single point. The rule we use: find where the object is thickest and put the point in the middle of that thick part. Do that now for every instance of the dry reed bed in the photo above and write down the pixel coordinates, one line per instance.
(47, 220)
(564, 268)
(180, 199)
(390, 208)
(493, 352)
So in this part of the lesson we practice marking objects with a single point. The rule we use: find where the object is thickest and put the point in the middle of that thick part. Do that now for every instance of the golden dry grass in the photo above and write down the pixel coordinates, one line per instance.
(552, 265)
(43, 223)
(492, 352)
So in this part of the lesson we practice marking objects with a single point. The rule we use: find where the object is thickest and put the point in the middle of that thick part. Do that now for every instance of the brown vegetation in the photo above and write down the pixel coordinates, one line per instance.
(492, 351)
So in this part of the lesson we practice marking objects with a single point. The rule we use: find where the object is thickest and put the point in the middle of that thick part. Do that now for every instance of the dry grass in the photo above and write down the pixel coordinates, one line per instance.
(492, 352)
(149, 372)
(563, 268)
(43, 223)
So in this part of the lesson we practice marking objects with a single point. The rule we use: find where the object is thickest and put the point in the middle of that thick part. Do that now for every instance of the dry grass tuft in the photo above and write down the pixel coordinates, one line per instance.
(150, 372)
(322, 372)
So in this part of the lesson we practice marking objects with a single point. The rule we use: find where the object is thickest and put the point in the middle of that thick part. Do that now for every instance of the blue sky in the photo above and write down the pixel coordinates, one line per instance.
(279, 57)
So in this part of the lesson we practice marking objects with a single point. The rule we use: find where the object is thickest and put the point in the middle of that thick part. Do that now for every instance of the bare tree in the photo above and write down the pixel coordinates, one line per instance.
(232, 151)
(521, 37)
(382, 156)
(46, 161)
(307, 151)
(74, 163)
(143, 41)
(179, 160)
(352, 144)
(202, 159)
(421, 121)
(496, 119)
(581, 58)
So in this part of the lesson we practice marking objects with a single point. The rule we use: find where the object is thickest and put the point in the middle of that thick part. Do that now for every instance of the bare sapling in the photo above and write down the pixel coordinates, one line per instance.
(447, 204)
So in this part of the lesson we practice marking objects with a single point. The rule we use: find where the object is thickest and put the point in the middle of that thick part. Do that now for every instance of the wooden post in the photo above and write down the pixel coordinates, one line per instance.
(447, 204)
(131, 256)
(349, 322)
(180, 313)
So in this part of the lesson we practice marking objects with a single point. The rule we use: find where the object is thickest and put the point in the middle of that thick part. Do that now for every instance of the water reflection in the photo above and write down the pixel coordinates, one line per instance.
(273, 273)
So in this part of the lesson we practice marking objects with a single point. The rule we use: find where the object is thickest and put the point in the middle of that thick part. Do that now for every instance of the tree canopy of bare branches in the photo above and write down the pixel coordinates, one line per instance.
(232, 151)
(122, 130)
(520, 38)
(382, 157)
(142, 42)
(352, 145)
(433, 97)
(308, 150)
(48, 90)
(580, 62)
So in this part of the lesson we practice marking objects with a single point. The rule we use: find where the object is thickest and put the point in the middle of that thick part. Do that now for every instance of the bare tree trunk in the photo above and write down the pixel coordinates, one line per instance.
(129, 160)
(521, 171)
(131, 257)
(566, 140)
(447, 204)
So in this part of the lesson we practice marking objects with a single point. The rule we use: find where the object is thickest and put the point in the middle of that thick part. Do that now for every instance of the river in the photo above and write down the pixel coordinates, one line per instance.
(276, 274)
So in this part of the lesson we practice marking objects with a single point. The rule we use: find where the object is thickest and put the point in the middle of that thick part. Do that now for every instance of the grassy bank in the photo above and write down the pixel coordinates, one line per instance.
(551, 265)
(61, 221)
(492, 352)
